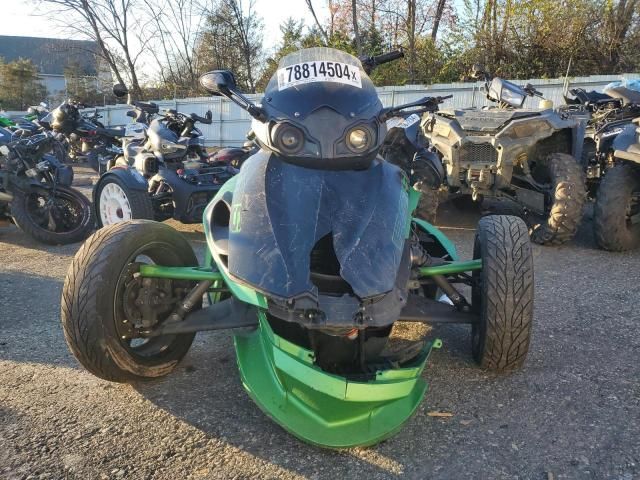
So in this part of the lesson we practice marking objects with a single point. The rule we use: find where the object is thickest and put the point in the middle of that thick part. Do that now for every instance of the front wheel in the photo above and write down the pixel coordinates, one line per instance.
(502, 293)
(115, 202)
(616, 217)
(106, 306)
(54, 216)
(565, 200)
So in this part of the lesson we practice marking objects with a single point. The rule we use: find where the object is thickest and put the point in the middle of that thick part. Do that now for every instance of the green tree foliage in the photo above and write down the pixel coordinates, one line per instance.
(19, 85)
(232, 39)
(81, 86)
(536, 38)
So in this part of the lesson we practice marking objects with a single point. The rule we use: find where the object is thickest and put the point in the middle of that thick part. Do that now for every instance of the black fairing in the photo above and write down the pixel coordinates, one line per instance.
(280, 211)
(325, 111)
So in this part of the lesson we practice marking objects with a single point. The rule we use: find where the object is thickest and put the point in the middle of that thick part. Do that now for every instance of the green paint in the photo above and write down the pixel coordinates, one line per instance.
(451, 268)
(180, 273)
(414, 198)
(6, 122)
(441, 237)
(244, 293)
(241, 292)
(321, 408)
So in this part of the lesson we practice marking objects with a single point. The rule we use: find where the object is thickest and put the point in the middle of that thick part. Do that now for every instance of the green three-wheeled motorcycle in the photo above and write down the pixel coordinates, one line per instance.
(312, 255)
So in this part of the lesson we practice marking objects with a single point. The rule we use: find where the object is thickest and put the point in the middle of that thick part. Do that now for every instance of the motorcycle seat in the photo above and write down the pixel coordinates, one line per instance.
(591, 97)
(149, 107)
(627, 95)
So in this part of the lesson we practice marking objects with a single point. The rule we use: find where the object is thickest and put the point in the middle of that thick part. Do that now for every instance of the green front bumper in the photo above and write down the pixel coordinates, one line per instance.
(320, 408)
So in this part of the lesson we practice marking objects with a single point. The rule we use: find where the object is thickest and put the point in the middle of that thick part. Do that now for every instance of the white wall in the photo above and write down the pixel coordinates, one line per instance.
(231, 123)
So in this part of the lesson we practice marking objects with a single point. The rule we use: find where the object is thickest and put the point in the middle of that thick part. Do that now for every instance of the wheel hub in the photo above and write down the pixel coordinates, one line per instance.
(114, 204)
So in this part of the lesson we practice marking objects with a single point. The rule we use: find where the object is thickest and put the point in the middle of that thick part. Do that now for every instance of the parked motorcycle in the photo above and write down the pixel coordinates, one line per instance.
(235, 156)
(524, 155)
(164, 171)
(36, 193)
(313, 248)
(84, 136)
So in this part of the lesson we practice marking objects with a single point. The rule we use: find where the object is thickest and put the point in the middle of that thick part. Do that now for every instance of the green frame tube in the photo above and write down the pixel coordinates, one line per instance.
(451, 268)
(180, 273)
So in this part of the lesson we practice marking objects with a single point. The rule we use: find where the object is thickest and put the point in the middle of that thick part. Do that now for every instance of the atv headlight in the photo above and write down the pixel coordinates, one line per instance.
(515, 99)
(287, 138)
(168, 147)
(359, 139)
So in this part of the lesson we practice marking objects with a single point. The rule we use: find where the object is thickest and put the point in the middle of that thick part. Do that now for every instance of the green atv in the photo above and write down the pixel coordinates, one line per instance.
(312, 256)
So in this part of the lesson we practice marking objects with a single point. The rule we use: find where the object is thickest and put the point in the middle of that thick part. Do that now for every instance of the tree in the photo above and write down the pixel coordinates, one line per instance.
(177, 28)
(110, 24)
(232, 39)
(19, 85)
(80, 85)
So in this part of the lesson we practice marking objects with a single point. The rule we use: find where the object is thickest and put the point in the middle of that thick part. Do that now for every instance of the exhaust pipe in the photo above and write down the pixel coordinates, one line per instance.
(5, 197)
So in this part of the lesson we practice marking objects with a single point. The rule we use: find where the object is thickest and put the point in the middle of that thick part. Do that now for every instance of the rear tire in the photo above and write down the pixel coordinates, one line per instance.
(612, 228)
(116, 202)
(568, 194)
(73, 217)
(90, 308)
(502, 293)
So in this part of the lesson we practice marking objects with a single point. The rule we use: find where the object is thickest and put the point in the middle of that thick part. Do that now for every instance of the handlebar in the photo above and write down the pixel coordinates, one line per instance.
(425, 104)
(531, 90)
(198, 118)
(148, 107)
(369, 63)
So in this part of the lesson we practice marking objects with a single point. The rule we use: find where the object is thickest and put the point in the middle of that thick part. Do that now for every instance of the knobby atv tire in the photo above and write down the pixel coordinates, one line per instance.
(568, 197)
(502, 293)
(427, 208)
(610, 225)
(139, 201)
(89, 292)
(25, 221)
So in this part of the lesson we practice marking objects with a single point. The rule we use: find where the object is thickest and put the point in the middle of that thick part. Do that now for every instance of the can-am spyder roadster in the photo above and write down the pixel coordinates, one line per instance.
(312, 247)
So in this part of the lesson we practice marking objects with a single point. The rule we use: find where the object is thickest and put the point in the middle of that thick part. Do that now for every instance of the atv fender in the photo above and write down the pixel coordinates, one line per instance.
(131, 177)
(577, 139)
(623, 141)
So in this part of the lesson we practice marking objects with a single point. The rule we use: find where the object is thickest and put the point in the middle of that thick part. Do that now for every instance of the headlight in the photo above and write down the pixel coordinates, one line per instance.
(168, 147)
(359, 139)
(288, 139)
(512, 98)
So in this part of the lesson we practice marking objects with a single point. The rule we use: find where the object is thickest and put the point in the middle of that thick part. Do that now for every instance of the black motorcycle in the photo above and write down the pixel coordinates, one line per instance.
(84, 136)
(36, 193)
(164, 171)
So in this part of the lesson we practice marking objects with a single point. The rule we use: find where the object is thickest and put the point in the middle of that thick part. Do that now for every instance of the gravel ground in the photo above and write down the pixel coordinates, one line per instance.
(572, 412)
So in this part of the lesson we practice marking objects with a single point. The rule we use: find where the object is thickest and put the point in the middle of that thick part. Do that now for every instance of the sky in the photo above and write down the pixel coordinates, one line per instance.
(19, 18)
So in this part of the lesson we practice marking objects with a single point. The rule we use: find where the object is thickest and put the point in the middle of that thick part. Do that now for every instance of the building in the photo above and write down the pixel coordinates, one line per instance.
(52, 56)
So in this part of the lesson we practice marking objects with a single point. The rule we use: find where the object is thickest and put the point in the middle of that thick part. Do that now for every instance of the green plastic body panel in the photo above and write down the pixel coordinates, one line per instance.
(6, 122)
(441, 237)
(241, 292)
(321, 408)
